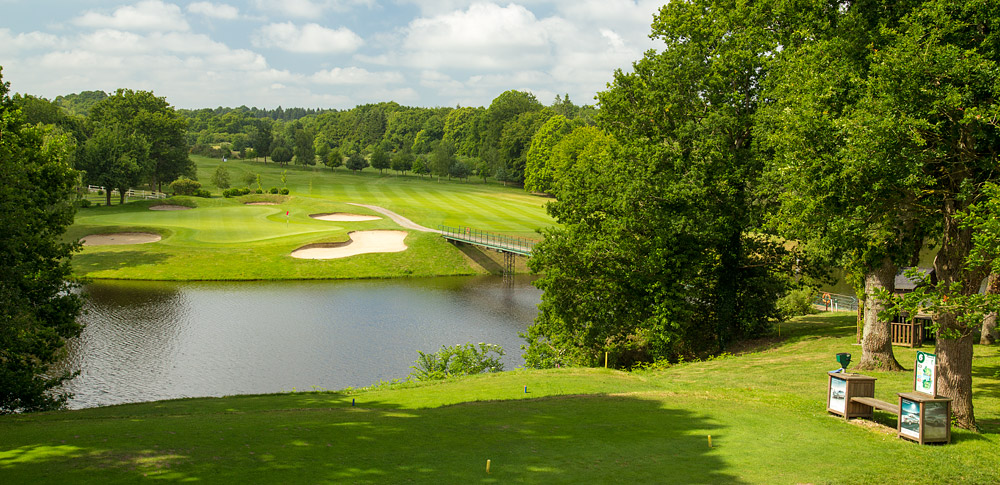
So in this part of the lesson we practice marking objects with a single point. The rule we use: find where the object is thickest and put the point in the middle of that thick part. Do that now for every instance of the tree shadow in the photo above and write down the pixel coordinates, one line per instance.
(103, 261)
(596, 438)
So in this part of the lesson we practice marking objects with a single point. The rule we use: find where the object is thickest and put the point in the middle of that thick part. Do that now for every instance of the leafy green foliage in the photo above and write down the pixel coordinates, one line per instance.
(661, 253)
(538, 171)
(796, 302)
(185, 186)
(39, 308)
(156, 124)
(220, 177)
(379, 159)
(458, 360)
(356, 162)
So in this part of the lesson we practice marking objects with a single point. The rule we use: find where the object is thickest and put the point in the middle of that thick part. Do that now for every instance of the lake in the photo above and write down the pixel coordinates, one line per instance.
(146, 341)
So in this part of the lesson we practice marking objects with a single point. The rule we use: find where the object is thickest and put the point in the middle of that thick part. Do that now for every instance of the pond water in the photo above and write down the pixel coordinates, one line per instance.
(147, 341)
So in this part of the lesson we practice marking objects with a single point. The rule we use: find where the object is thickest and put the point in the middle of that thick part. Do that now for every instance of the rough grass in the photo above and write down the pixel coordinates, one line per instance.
(765, 413)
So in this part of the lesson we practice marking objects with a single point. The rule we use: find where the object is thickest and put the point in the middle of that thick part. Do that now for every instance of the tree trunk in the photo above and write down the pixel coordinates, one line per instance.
(989, 334)
(876, 345)
(954, 339)
(954, 379)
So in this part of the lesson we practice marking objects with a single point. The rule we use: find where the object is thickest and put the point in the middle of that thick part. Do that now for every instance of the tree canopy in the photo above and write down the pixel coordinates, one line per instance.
(661, 254)
(39, 311)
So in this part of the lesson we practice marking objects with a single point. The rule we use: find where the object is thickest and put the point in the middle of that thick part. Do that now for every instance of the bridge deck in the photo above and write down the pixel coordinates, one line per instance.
(499, 242)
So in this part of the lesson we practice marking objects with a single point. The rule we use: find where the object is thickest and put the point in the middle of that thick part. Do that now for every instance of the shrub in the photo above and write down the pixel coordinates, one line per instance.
(185, 186)
(797, 302)
(273, 190)
(84, 203)
(258, 191)
(204, 193)
(283, 191)
(457, 360)
(221, 177)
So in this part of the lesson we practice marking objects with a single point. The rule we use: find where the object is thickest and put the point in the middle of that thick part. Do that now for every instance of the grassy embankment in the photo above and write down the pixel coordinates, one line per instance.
(223, 239)
(765, 413)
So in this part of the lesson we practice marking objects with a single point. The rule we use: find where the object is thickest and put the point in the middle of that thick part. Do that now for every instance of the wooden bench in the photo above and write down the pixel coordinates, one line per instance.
(877, 404)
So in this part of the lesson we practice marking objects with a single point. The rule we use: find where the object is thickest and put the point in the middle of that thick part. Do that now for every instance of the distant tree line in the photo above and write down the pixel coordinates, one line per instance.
(494, 142)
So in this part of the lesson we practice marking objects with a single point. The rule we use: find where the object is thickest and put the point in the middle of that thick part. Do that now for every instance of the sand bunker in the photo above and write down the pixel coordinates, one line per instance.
(120, 239)
(344, 217)
(168, 207)
(361, 242)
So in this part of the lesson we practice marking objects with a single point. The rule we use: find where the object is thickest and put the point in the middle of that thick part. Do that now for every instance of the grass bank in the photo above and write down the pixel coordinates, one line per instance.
(765, 412)
(225, 239)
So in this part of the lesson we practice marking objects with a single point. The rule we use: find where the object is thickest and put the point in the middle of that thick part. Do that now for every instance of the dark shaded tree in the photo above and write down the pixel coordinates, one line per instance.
(39, 308)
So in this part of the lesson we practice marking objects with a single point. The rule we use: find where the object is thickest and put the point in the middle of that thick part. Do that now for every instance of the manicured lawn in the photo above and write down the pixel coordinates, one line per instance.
(223, 239)
(765, 412)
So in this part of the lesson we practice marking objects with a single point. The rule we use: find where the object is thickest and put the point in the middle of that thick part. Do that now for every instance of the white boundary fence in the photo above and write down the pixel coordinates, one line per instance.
(95, 194)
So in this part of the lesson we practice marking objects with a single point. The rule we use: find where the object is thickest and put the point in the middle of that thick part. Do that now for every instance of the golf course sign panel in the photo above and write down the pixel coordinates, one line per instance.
(925, 374)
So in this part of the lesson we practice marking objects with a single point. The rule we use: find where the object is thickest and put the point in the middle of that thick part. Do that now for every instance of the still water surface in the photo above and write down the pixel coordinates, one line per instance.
(147, 341)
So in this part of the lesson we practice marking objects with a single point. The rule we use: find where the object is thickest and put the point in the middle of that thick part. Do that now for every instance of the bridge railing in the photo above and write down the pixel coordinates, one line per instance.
(491, 240)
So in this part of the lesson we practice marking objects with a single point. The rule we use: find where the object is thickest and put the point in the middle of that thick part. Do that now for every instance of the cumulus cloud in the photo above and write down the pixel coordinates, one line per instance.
(147, 15)
(310, 38)
(214, 10)
(308, 9)
(10, 43)
(357, 76)
(485, 36)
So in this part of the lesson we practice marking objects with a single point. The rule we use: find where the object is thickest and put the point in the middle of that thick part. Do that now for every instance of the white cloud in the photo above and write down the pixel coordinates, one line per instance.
(214, 10)
(308, 9)
(485, 36)
(439, 80)
(357, 76)
(147, 15)
(10, 43)
(310, 38)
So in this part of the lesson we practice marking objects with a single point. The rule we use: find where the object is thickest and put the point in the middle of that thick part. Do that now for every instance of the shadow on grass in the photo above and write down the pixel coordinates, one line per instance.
(480, 257)
(808, 327)
(597, 438)
(987, 380)
(112, 260)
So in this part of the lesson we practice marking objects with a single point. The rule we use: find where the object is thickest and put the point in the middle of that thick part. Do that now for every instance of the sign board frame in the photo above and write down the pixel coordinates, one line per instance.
(925, 374)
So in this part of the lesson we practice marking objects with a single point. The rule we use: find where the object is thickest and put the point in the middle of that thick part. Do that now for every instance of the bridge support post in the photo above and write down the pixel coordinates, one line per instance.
(508, 263)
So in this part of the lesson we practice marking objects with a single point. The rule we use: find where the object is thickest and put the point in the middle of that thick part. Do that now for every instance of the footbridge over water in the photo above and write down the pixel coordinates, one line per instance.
(509, 246)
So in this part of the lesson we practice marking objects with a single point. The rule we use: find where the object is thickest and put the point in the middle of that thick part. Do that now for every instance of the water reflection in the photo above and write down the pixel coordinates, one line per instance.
(146, 341)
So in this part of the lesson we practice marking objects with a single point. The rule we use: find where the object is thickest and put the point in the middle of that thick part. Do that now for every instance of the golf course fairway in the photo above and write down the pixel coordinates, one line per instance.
(253, 237)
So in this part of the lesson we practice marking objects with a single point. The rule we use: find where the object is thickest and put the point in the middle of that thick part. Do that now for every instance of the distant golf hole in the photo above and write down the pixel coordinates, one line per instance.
(361, 242)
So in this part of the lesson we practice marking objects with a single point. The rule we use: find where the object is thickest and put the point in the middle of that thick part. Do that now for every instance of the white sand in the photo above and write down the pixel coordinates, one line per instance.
(168, 207)
(343, 217)
(120, 239)
(361, 242)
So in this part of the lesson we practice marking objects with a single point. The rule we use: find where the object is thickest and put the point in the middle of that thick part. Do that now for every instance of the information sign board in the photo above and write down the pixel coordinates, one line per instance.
(925, 374)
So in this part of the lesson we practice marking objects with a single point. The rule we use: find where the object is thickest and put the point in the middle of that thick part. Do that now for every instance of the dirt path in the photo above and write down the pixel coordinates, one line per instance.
(402, 221)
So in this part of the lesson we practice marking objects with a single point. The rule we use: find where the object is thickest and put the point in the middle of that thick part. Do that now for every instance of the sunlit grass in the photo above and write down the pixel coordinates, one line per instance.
(765, 412)
(224, 239)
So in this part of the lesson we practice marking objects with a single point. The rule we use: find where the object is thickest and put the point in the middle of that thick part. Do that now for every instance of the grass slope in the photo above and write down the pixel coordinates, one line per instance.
(765, 412)
(223, 239)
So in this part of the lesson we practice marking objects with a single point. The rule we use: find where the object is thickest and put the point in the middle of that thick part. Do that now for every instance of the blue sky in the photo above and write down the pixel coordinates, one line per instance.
(322, 53)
